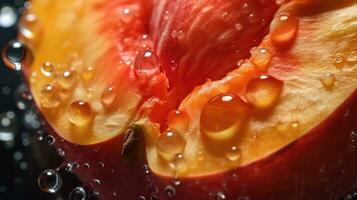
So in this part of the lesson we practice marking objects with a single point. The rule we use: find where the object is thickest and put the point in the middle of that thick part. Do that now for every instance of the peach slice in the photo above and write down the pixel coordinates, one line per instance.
(200, 99)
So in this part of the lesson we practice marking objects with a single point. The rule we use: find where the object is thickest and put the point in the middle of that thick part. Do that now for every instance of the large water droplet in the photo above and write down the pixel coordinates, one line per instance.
(146, 64)
(264, 91)
(16, 55)
(169, 144)
(223, 116)
(170, 191)
(78, 193)
(284, 31)
(50, 181)
(80, 113)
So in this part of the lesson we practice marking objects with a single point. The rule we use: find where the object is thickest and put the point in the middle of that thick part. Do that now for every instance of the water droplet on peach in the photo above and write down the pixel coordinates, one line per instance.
(178, 120)
(264, 91)
(108, 97)
(284, 31)
(87, 74)
(340, 61)
(49, 97)
(328, 80)
(146, 64)
(233, 153)
(179, 164)
(67, 79)
(47, 69)
(80, 113)
(223, 116)
(261, 58)
(169, 144)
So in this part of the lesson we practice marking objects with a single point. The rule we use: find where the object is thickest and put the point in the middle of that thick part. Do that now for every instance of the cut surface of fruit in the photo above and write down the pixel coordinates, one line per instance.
(214, 85)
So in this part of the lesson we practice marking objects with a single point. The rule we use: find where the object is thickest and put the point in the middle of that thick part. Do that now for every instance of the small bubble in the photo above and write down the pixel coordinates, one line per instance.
(86, 166)
(108, 97)
(233, 154)
(238, 27)
(60, 152)
(170, 191)
(146, 169)
(67, 79)
(50, 181)
(49, 97)
(284, 31)
(169, 144)
(146, 64)
(220, 196)
(179, 164)
(78, 193)
(50, 140)
(95, 182)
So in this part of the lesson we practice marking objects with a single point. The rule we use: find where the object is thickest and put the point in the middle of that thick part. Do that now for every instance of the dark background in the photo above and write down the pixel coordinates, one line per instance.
(24, 157)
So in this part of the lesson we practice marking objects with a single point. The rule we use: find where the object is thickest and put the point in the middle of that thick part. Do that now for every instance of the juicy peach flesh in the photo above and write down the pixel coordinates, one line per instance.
(100, 54)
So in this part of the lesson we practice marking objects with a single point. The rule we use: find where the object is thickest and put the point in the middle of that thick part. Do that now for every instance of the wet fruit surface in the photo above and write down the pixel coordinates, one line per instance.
(177, 91)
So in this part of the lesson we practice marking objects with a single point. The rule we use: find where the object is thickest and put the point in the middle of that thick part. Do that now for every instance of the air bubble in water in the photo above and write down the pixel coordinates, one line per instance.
(16, 55)
(170, 191)
(50, 181)
(50, 140)
(78, 193)
(220, 196)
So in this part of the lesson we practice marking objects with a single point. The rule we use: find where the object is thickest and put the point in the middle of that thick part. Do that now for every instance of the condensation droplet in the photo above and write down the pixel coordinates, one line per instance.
(233, 154)
(49, 97)
(169, 144)
(261, 58)
(179, 164)
(80, 113)
(328, 80)
(47, 69)
(263, 92)
(178, 121)
(223, 116)
(284, 31)
(146, 64)
(170, 191)
(108, 97)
